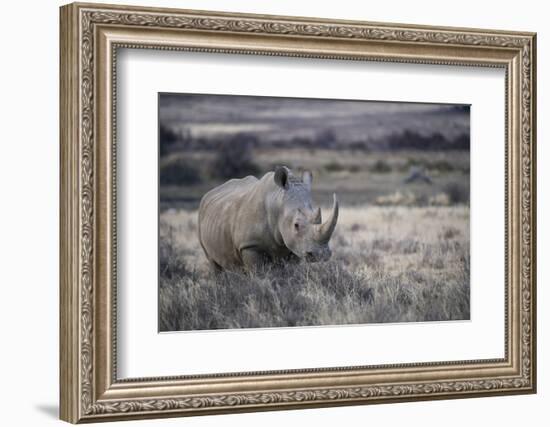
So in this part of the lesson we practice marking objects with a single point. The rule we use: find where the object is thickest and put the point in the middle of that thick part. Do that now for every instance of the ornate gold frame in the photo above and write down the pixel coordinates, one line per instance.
(90, 36)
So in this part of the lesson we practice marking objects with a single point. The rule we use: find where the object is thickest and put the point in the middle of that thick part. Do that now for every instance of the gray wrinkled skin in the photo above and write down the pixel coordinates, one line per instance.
(249, 222)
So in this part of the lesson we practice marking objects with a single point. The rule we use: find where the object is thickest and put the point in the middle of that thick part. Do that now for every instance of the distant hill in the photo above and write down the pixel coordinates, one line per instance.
(199, 122)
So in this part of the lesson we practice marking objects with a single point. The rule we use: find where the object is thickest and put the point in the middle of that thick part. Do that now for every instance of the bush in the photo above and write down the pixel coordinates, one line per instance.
(167, 137)
(179, 172)
(457, 193)
(380, 166)
(326, 139)
(462, 142)
(334, 167)
(411, 140)
(235, 158)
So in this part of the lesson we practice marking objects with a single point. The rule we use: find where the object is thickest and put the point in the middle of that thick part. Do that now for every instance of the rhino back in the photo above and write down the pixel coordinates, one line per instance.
(219, 216)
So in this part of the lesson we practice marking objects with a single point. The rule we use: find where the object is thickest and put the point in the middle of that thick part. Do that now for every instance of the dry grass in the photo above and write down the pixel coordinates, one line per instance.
(389, 264)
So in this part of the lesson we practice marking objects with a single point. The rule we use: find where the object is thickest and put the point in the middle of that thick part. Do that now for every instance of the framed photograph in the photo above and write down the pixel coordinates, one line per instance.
(266, 212)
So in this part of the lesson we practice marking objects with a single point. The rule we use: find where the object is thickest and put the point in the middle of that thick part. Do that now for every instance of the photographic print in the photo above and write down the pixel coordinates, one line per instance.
(292, 212)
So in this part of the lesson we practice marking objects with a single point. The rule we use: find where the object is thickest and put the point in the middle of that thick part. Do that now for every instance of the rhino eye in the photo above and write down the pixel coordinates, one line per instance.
(296, 226)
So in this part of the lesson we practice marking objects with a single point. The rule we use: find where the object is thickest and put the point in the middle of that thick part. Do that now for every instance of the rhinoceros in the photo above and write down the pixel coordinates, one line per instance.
(249, 223)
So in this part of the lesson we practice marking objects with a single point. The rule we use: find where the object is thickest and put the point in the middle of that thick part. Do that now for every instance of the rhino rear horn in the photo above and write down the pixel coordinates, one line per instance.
(327, 228)
(316, 217)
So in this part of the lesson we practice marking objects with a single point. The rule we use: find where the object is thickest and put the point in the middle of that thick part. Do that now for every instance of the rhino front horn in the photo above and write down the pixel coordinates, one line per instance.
(327, 228)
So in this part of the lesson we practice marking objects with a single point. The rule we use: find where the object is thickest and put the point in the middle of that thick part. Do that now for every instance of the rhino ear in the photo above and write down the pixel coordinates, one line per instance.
(307, 178)
(281, 177)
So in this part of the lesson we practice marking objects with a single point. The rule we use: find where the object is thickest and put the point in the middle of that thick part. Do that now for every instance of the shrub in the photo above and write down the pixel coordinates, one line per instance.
(326, 138)
(380, 166)
(416, 141)
(461, 142)
(334, 167)
(235, 158)
(457, 193)
(179, 172)
(167, 137)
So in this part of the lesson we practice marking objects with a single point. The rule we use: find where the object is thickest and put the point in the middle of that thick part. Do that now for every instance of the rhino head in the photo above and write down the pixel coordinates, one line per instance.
(300, 225)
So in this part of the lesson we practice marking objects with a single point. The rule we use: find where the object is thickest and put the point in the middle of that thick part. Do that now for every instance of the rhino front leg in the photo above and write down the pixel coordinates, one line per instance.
(254, 260)
(215, 268)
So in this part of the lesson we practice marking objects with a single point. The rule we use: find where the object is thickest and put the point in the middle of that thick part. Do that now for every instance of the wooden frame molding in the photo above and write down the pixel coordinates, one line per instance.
(90, 37)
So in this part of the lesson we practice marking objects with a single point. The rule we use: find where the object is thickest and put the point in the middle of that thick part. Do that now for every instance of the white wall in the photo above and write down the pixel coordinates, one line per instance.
(29, 170)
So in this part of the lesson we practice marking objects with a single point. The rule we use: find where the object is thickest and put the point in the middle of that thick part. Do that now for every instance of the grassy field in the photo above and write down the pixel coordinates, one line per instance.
(402, 262)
